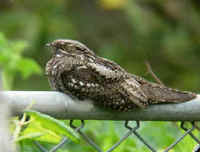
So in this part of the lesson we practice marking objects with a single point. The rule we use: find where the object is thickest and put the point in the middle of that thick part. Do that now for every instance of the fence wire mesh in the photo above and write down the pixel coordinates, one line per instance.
(131, 130)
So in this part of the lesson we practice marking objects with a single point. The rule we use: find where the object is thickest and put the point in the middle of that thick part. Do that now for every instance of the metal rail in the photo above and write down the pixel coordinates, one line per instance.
(62, 106)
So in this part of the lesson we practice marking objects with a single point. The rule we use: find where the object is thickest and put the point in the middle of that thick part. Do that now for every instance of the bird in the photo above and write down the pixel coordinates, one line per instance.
(76, 70)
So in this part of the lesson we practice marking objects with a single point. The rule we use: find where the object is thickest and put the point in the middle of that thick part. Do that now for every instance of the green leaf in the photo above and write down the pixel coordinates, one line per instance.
(47, 128)
(27, 67)
(27, 146)
(29, 136)
(19, 46)
(12, 60)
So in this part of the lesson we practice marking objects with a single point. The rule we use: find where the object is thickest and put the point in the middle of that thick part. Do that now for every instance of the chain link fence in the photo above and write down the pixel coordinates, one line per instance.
(63, 106)
(131, 130)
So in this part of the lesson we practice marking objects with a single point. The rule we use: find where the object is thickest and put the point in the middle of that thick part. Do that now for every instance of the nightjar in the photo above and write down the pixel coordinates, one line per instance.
(76, 70)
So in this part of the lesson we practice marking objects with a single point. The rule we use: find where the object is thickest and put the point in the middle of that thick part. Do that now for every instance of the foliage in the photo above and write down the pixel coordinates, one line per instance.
(12, 61)
(49, 131)
(42, 128)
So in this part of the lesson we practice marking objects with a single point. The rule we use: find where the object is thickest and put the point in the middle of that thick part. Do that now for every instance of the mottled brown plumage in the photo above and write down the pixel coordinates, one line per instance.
(75, 69)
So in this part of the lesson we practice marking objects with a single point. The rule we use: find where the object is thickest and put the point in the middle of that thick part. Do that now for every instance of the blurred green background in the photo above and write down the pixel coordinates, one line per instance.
(130, 32)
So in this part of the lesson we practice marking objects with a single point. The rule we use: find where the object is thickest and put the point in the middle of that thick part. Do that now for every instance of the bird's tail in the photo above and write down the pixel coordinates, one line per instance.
(161, 94)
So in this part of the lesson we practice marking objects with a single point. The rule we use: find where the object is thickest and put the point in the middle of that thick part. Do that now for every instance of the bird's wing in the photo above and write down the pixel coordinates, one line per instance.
(89, 74)
(107, 69)
(82, 82)
(92, 78)
(115, 74)
(132, 88)
(89, 78)
(105, 72)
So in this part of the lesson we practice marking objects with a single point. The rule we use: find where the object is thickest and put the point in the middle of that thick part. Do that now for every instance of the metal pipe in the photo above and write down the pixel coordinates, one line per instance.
(63, 106)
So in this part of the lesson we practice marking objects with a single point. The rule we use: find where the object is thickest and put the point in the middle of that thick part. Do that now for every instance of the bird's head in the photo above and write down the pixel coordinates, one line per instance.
(67, 46)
